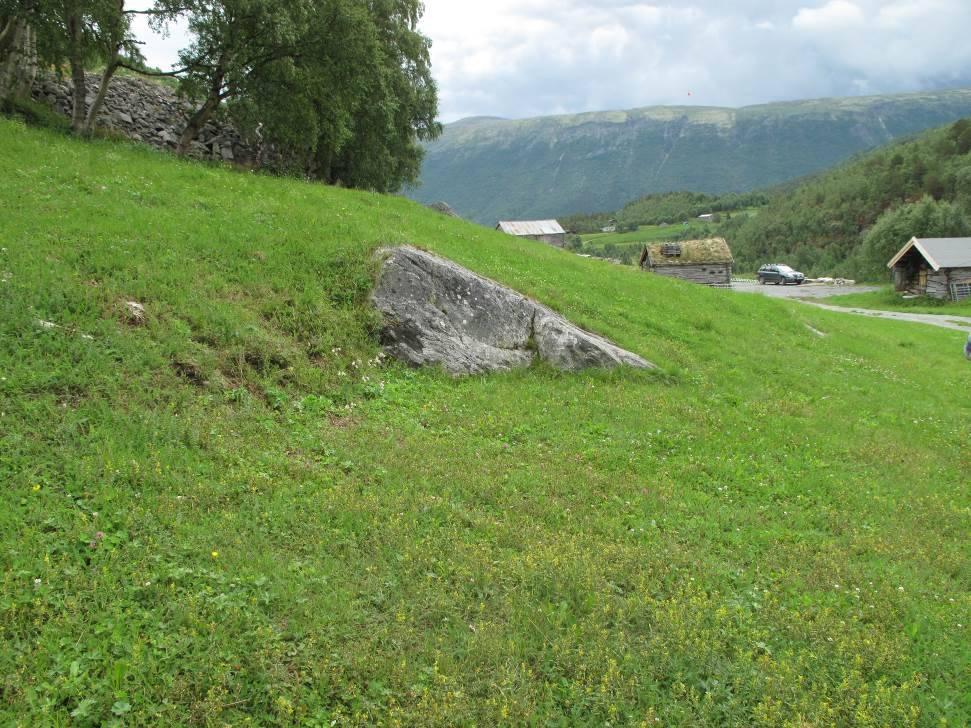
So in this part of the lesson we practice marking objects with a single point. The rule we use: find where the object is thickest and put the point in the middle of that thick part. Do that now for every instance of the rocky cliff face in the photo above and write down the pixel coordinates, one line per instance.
(152, 113)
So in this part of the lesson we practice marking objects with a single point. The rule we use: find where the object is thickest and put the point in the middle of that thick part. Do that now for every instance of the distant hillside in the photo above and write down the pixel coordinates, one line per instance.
(822, 225)
(489, 169)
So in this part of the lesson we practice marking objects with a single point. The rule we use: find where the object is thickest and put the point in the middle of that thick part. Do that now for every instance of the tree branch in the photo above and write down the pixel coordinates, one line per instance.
(173, 11)
(156, 74)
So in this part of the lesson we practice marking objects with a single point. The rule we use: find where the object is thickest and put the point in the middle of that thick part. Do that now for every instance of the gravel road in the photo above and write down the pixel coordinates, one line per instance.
(806, 290)
(947, 321)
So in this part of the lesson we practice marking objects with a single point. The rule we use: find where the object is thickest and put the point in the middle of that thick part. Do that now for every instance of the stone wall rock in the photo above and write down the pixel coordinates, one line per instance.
(439, 313)
(152, 113)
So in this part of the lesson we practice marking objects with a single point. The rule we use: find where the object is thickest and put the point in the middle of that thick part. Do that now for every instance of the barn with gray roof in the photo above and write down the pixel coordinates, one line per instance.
(546, 231)
(934, 267)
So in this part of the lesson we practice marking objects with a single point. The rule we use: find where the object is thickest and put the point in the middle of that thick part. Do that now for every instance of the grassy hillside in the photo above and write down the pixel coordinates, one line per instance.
(490, 169)
(820, 226)
(237, 513)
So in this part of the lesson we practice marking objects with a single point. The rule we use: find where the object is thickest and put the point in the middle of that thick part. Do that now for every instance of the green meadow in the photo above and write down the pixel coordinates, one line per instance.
(890, 300)
(630, 244)
(236, 512)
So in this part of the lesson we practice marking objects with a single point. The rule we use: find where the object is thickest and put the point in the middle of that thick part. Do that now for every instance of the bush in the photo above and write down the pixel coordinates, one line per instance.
(927, 218)
(34, 113)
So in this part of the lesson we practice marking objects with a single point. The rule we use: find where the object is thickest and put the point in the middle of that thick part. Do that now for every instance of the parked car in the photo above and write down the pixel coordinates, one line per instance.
(776, 273)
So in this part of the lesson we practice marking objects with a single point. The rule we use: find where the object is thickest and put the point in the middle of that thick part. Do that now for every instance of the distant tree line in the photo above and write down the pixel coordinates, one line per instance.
(342, 88)
(852, 219)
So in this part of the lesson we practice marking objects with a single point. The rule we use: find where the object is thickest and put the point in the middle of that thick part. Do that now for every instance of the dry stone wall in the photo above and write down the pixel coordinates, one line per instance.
(152, 113)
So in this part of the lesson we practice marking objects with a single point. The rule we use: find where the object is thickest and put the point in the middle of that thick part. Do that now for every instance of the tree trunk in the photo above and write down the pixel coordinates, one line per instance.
(196, 122)
(6, 35)
(11, 68)
(27, 72)
(76, 59)
(95, 109)
(202, 115)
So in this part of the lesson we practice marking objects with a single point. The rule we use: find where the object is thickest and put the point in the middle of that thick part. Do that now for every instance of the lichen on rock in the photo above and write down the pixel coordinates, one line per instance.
(441, 314)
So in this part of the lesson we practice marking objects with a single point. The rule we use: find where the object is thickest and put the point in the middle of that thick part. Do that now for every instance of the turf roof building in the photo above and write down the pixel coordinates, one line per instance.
(935, 267)
(706, 261)
(546, 231)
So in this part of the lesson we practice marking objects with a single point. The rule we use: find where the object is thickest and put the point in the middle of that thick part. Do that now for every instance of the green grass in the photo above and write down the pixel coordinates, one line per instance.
(632, 243)
(644, 234)
(889, 300)
(233, 514)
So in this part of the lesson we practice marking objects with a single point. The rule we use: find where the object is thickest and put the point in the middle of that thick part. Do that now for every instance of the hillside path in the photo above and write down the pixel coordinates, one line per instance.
(947, 321)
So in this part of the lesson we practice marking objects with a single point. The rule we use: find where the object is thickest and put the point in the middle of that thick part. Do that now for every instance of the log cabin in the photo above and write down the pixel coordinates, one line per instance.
(708, 261)
(934, 267)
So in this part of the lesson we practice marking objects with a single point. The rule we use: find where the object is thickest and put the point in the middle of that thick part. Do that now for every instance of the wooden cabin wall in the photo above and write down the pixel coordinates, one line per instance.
(557, 240)
(938, 284)
(705, 273)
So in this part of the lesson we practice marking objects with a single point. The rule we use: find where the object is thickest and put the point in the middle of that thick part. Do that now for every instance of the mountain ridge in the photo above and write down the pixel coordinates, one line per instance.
(548, 166)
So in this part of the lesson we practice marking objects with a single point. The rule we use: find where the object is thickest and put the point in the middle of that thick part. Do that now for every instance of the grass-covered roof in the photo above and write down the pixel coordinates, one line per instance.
(692, 252)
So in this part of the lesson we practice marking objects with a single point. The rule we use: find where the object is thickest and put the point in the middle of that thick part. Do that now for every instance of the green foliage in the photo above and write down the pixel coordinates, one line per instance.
(823, 226)
(342, 89)
(76, 34)
(35, 114)
(236, 512)
(928, 218)
(495, 169)
(665, 209)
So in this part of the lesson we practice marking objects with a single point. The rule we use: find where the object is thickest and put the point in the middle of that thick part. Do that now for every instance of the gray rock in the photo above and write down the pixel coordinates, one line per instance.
(439, 313)
(444, 208)
(570, 348)
(134, 313)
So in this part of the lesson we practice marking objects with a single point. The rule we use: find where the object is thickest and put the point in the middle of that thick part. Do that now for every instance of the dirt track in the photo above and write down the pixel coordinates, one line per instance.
(807, 290)
(947, 321)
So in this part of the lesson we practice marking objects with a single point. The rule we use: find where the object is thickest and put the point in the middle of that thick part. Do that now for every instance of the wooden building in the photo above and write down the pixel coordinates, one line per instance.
(934, 267)
(700, 261)
(545, 231)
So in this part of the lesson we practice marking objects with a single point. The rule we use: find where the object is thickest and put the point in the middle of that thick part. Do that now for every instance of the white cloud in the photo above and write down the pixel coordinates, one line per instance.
(519, 58)
(836, 15)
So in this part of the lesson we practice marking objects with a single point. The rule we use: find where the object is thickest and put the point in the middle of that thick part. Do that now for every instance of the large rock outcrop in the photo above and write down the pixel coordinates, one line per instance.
(439, 313)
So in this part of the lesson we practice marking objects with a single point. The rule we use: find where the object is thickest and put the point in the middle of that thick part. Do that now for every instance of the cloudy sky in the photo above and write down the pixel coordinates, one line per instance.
(522, 58)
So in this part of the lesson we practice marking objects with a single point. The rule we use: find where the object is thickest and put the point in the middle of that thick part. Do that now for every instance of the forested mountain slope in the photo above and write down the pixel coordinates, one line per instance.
(490, 169)
(853, 218)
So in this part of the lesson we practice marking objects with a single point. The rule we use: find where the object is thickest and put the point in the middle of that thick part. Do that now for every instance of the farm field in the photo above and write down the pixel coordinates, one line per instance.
(631, 243)
(628, 245)
(236, 512)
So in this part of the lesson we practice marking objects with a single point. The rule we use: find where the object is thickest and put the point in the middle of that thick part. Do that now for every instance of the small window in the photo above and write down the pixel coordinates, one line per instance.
(672, 250)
